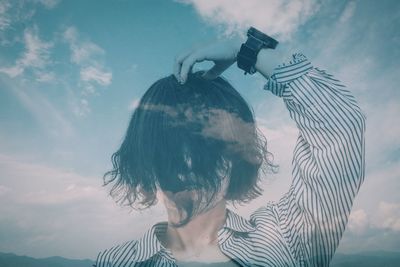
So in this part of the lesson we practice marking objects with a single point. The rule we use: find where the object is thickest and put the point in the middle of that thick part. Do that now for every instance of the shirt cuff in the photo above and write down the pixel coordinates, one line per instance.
(287, 72)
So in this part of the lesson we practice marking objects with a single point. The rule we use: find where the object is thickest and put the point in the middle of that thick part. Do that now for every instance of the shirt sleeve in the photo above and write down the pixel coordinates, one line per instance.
(328, 161)
(104, 258)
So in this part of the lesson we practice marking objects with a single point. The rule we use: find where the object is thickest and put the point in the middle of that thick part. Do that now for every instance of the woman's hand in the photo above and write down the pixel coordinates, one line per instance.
(222, 53)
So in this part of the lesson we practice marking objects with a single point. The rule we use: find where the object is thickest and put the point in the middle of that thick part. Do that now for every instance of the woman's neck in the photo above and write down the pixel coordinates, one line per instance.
(200, 231)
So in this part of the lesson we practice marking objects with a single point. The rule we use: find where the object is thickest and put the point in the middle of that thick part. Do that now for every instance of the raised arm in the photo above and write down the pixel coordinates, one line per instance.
(328, 160)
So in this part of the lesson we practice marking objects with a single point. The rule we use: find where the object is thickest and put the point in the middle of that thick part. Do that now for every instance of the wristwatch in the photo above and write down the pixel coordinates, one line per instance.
(247, 56)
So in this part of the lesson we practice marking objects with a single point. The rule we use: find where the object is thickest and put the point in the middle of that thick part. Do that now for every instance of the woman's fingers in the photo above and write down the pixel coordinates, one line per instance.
(188, 63)
(221, 53)
(178, 64)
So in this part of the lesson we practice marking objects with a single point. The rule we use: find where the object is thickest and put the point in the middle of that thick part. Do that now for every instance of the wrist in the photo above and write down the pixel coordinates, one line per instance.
(250, 50)
(267, 61)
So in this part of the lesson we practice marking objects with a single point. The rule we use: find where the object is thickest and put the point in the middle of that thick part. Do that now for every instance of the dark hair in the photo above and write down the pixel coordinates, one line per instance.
(188, 137)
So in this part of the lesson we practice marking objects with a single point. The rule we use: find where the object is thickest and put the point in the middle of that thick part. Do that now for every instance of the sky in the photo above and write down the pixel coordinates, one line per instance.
(72, 72)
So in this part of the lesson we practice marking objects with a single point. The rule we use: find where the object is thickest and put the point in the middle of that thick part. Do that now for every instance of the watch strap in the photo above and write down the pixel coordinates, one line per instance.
(247, 56)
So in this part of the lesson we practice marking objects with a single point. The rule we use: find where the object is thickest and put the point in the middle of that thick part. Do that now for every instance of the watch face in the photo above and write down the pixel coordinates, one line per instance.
(259, 35)
(254, 44)
(268, 42)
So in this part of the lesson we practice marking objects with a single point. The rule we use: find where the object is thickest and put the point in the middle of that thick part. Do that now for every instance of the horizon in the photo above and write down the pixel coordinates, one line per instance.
(71, 74)
(361, 253)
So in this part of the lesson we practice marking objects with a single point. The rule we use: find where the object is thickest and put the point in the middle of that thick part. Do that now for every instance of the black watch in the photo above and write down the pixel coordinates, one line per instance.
(247, 56)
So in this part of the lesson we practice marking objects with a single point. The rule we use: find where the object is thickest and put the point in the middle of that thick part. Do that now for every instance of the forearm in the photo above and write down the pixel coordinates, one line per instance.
(268, 59)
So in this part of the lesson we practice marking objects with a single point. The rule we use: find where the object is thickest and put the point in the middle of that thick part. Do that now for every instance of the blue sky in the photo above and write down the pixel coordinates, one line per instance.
(71, 73)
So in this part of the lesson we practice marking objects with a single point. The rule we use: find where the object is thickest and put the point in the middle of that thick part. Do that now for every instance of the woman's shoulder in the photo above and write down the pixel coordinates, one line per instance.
(112, 255)
(138, 250)
(265, 214)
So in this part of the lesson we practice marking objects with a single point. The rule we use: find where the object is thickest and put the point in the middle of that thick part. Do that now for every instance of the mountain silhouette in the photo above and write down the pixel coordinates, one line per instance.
(12, 260)
(364, 259)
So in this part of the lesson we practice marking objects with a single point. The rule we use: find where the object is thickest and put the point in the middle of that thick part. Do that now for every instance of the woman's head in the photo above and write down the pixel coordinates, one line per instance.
(197, 136)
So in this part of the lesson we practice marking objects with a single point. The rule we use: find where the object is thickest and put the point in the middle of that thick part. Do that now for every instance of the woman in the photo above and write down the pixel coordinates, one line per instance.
(193, 141)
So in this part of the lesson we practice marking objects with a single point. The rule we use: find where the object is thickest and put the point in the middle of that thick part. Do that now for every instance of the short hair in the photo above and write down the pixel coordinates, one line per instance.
(189, 136)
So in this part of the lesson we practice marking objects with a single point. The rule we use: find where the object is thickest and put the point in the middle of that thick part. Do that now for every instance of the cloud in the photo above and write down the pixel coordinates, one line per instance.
(348, 11)
(88, 57)
(16, 13)
(35, 63)
(49, 4)
(93, 74)
(214, 123)
(81, 51)
(375, 219)
(37, 51)
(13, 71)
(45, 76)
(72, 194)
(358, 221)
(49, 207)
(35, 56)
(364, 67)
(390, 214)
(275, 17)
(378, 229)
(81, 108)
(5, 20)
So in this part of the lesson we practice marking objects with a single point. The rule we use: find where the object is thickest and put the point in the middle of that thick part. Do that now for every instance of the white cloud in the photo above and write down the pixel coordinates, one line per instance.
(81, 51)
(275, 17)
(35, 56)
(37, 51)
(13, 71)
(49, 207)
(84, 52)
(16, 13)
(93, 74)
(374, 223)
(358, 221)
(348, 12)
(81, 108)
(45, 76)
(49, 4)
(72, 193)
(390, 215)
(5, 20)
(376, 229)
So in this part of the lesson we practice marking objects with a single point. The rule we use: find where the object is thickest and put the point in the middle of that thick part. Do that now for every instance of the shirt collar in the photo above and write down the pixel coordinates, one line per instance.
(149, 245)
(238, 223)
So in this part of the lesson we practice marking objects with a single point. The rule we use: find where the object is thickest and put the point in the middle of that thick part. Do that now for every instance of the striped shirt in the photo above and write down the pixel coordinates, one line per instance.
(304, 227)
